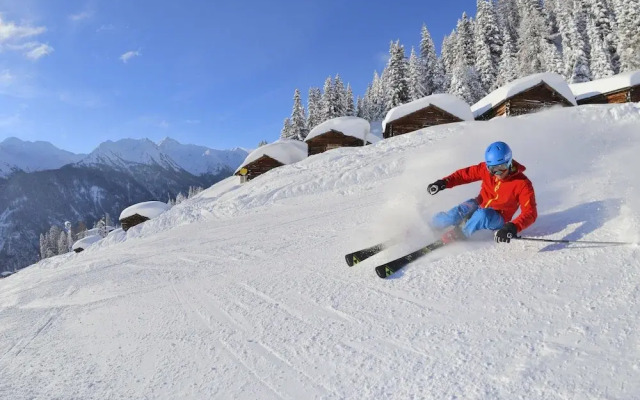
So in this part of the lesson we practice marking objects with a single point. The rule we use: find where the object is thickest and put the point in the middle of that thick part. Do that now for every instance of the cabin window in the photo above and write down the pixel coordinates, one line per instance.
(332, 146)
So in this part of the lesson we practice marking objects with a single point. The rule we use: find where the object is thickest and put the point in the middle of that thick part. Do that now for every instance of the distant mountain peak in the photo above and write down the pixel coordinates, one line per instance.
(21, 155)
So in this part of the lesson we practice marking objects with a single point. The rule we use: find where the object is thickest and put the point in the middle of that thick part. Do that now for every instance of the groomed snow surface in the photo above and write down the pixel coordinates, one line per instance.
(242, 292)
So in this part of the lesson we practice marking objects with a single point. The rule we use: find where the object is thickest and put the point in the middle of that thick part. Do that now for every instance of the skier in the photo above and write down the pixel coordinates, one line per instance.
(504, 189)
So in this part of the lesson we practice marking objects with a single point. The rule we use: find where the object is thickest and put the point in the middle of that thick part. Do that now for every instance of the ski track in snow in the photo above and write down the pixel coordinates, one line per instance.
(243, 293)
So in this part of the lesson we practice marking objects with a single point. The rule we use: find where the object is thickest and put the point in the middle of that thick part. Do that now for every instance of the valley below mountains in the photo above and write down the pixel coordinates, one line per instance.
(34, 196)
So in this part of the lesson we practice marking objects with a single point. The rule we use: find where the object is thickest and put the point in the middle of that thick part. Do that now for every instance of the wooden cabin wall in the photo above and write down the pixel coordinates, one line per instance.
(423, 118)
(634, 94)
(625, 95)
(132, 221)
(319, 143)
(534, 99)
(260, 166)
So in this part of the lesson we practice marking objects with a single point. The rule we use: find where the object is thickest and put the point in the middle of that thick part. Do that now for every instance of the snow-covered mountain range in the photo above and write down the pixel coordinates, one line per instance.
(19, 155)
(43, 186)
(242, 292)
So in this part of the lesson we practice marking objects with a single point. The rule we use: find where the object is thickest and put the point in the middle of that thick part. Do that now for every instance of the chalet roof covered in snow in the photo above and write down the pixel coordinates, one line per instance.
(350, 126)
(444, 101)
(285, 151)
(149, 209)
(555, 81)
(85, 242)
(605, 85)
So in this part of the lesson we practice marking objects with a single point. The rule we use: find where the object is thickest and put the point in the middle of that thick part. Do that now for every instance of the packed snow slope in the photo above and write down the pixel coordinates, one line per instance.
(242, 292)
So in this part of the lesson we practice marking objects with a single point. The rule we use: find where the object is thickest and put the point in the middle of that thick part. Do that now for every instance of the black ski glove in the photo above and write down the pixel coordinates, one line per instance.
(506, 233)
(437, 186)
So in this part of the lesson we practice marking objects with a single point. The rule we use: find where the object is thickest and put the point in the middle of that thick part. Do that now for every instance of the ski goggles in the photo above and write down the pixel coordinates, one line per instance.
(498, 169)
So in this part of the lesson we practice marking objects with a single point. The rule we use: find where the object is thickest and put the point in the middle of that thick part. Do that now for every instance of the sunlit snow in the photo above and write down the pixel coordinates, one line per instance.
(242, 292)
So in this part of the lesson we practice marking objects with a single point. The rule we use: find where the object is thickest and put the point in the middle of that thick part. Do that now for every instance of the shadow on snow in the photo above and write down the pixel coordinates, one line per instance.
(591, 216)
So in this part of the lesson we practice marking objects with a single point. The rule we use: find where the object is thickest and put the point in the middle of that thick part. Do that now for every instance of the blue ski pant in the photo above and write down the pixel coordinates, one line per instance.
(481, 218)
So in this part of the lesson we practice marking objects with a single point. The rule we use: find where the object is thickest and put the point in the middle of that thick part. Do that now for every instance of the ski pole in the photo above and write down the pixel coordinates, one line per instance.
(574, 241)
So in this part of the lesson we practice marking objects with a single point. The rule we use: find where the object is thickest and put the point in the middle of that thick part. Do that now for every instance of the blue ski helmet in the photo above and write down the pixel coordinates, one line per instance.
(498, 153)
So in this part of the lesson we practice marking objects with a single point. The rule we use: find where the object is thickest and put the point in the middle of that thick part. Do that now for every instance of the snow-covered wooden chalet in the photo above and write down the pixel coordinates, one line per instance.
(85, 242)
(270, 156)
(621, 88)
(432, 110)
(141, 212)
(339, 132)
(524, 96)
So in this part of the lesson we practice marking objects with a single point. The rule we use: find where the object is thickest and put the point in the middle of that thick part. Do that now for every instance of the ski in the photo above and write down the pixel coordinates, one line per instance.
(388, 269)
(361, 255)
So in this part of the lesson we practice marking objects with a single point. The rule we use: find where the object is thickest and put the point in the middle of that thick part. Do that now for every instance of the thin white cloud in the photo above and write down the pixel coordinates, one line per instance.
(163, 124)
(81, 16)
(40, 50)
(10, 31)
(11, 36)
(192, 121)
(129, 55)
(32, 50)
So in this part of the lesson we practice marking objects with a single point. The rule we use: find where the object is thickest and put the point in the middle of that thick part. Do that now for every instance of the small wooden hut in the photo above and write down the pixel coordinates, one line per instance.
(141, 212)
(525, 96)
(270, 156)
(621, 88)
(339, 132)
(132, 221)
(428, 111)
(85, 242)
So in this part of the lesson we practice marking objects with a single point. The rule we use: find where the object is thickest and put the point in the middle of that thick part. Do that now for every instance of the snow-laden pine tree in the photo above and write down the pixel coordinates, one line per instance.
(604, 23)
(360, 108)
(314, 108)
(601, 65)
(43, 248)
(509, 19)
(397, 76)
(447, 59)
(577, 67)
(465, 83)
(180, 198)
(329, 106)
(507, 68)
(628, 21)
(416, 77)
(286, 132)
(487, 43)
(62, 244)
(464, 40)
(376, 98)
(349, 107)
(433, 78)
(298, 118)
(536, 53)
(339, 96)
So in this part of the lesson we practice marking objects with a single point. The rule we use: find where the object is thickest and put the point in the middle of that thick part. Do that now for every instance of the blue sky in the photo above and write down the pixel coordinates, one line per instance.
(220, 74)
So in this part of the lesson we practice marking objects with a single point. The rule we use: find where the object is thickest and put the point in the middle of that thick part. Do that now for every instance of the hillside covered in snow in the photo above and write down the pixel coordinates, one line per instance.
(242, 292)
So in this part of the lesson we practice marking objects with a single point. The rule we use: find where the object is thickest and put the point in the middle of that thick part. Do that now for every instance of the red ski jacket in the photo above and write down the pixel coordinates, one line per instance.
(504, 196)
